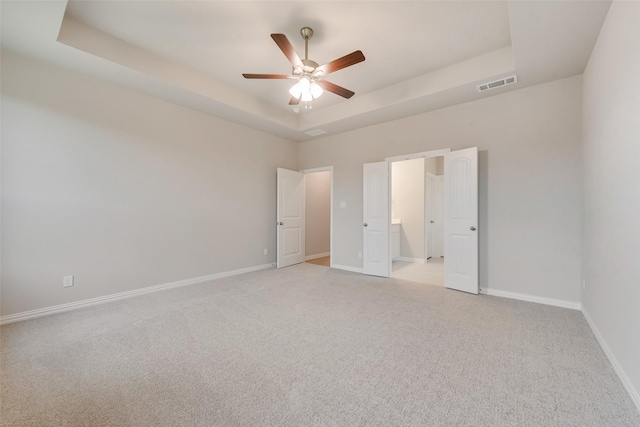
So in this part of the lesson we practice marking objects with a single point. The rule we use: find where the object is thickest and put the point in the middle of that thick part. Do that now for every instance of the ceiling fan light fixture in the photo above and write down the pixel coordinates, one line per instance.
(295, 91)
(304, 84)
(306, 90)
(316, 90)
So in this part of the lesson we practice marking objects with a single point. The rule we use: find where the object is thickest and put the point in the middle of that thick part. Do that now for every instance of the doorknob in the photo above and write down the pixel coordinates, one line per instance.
(431, 222)
(365, 224)
(281, 223)
(472, 228)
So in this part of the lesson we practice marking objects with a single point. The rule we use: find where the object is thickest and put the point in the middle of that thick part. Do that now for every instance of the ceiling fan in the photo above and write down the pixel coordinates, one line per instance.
(308, 73)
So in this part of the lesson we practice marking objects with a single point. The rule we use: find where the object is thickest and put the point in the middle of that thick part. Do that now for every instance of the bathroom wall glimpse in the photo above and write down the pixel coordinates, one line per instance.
(417, 223)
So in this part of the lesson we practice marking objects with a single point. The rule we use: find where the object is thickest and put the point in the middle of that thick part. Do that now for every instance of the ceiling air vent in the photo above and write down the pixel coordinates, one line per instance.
(497, 83)
(315, 132)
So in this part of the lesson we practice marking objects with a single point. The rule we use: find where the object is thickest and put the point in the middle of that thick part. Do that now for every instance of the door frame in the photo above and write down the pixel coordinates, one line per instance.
(421, 155)
(325, 169)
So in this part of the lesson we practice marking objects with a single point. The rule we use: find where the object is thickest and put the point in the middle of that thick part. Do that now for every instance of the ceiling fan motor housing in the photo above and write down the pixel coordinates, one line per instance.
(309, 66)
(306, 33)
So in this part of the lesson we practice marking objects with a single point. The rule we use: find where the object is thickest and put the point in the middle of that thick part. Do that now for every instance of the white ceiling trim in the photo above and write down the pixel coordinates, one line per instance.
(80, 36)
(190, 81)
(549, 40)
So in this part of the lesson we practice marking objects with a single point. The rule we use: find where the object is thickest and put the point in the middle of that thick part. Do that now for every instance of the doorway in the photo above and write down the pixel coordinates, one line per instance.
(416, 220)
(293, 215)
(318, 216)
(460, 217)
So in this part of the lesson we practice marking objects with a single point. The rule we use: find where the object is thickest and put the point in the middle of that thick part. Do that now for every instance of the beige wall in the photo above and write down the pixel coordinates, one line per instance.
(407, 203)
(122, 190)
(318, 213)
(435, 165)
(439, 165)
(529, 180)
(126, 191)
(431, 164)
(611, 192)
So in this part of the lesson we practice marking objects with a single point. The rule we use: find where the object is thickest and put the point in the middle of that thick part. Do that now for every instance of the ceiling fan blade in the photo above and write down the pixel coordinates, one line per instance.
(338, 90)
(266, 76)
(294, 101)
(340, 63)
(283, 43)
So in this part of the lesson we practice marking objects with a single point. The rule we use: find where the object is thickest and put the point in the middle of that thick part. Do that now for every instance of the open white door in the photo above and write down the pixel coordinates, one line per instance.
(290, 217)
(461, 220)
(429, 215)
(376, 256)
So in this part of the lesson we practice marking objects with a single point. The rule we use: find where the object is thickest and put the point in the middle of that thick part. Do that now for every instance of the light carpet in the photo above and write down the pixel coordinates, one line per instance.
(310, 346)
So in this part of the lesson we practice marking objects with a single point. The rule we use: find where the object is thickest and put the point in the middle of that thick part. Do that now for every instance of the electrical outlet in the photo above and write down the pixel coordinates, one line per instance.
(67, 281)
(359, 254)
(266, 251)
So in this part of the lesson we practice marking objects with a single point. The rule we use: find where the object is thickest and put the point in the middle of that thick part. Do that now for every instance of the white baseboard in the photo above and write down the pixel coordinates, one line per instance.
(25, 315)
(414, 260)
(347, 268)
(633, 393)
(322, 255)
(531, 298)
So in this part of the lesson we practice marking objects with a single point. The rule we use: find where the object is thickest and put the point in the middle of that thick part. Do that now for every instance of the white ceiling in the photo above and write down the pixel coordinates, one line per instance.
(420, 55)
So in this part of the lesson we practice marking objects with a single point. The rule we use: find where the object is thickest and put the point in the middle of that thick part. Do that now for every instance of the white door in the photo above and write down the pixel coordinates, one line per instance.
(375, 225)
(461, 220)
(438, 201)
(429, 215)
(290, 218)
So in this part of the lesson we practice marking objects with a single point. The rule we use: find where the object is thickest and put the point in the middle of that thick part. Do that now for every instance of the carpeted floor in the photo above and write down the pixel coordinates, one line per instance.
(310, 346)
